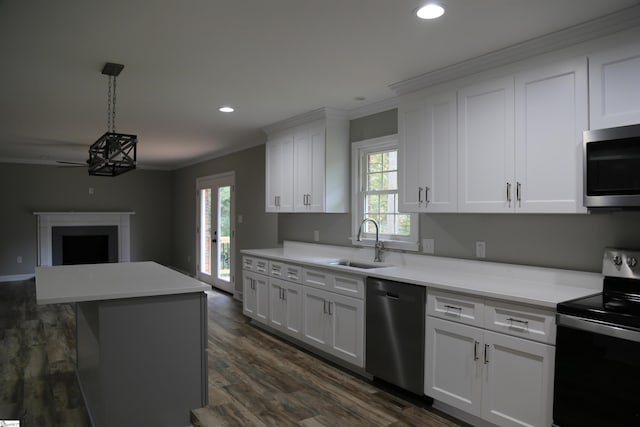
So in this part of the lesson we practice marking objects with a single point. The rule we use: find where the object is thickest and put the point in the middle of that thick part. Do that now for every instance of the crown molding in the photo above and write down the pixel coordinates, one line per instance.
(301, 119)
(374, 108)
(609, 24)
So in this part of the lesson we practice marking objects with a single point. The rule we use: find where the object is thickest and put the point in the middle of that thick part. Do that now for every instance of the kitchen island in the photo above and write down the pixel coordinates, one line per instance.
(141, 332)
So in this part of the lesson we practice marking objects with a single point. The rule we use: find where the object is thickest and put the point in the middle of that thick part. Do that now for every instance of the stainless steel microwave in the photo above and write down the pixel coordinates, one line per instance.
(612, 167)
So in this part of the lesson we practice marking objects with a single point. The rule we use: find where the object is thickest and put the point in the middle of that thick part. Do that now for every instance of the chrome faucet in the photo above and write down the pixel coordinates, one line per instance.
(379, 245)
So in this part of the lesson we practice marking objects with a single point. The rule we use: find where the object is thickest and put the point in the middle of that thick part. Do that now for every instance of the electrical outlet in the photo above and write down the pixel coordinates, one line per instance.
(316, 235)
(428, 246)
(19, 260)
(481, 249)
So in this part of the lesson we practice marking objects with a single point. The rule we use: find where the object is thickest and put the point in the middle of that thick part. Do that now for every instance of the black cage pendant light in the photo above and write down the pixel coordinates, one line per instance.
(113, 153)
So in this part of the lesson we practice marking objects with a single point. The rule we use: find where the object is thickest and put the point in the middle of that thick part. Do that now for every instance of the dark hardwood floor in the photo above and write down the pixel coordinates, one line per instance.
(255, 379)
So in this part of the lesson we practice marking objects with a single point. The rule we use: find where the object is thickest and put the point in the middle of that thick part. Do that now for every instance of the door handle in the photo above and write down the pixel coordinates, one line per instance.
(475, 350)
(419, 195)
(509, 193)
(330, 312)
(426, 194)
(486, 354)
(518, 185)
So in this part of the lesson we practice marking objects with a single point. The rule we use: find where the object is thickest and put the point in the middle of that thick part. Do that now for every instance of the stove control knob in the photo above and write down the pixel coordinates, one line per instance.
(617, 260)
(632, 261)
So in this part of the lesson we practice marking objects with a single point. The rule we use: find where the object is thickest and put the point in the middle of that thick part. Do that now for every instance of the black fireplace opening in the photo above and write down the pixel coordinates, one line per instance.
(84, 245)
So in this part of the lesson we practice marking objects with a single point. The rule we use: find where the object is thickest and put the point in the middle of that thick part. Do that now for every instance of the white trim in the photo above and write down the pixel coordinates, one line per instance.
(375, 144)
(305, 118)
(47, 220)
(16, 277)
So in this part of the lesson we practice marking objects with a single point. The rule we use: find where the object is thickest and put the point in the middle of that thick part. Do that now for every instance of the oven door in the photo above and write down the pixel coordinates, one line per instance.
(597, 374)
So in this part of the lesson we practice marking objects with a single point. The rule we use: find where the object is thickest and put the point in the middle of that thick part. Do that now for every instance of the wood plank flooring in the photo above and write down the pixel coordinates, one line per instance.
(255, 379)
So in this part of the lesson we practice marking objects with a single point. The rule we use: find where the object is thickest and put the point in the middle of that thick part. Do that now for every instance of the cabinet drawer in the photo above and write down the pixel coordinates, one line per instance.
(259, 265)
(317, 278)
(455, 307)
(352, 286)
(285, 271)
(521, 321)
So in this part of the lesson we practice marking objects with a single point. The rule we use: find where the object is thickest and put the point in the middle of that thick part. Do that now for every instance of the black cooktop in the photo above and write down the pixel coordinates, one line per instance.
(605, 307)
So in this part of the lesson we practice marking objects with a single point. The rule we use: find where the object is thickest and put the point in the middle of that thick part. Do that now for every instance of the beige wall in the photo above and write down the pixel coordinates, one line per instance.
(28, 188)
(258, 229)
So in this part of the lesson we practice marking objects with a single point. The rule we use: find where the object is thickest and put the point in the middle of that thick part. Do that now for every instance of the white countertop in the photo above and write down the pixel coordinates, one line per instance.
(544, 287)
(93, 282)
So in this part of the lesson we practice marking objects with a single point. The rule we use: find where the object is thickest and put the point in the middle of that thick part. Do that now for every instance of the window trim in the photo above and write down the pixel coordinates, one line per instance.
(358, 149)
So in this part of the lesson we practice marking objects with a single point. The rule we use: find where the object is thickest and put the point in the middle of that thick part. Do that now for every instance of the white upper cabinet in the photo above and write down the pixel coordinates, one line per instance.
(428, 153)
(312, 167)
(486, 147)
(551, 115)
(279, 174)
(614, 87)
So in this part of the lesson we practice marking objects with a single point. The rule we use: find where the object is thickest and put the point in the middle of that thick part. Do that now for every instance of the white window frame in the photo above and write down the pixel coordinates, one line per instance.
(358, 150)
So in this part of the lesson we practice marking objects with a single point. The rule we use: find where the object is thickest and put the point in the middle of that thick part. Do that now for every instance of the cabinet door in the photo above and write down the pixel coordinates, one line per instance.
(411, 126)
(486, 147)
(316, 322)
(438, 169)
(276, 304)
(316, 197)
(308, 167)
(262, 298)
(614, 87)
(453, 364)
(249, 296)
(347, 329)
(517, 382)
(293, 310)
(551, 115)
(279, 174)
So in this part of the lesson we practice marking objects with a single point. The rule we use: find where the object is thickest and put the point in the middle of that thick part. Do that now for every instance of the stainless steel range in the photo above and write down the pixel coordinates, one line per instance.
(597, 372)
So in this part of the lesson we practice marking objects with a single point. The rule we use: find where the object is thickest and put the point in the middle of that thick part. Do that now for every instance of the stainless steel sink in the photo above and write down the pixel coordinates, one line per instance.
(358, 264)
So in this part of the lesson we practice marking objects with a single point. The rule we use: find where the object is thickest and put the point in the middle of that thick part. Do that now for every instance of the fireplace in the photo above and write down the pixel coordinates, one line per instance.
(83, 237)
(84, 245)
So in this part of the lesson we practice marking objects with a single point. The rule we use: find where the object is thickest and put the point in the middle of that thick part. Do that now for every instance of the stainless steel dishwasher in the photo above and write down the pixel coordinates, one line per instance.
(395, 317)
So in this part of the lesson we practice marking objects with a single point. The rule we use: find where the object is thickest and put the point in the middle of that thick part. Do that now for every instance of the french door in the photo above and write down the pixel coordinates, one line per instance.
(215, 230)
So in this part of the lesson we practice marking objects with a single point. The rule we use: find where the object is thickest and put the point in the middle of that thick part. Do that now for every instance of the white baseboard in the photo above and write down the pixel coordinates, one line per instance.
(16, 277)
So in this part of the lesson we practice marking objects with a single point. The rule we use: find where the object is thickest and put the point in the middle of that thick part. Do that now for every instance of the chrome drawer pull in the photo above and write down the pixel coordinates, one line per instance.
(475, 350)
(524, 324)
(486, 354)
(453, 307)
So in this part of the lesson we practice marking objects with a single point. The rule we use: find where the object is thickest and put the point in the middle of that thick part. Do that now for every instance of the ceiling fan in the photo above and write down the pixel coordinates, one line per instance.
(113, 153)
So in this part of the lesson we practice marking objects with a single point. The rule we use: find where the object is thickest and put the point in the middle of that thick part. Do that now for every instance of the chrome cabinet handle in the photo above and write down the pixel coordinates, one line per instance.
(324, 309)
(509, 193)
(475, 350)
(330, 312)
(524, 324)
(426, 194)
(308, 199)
(419, 195)
(518, 193)
(486, 354)
(284, 294)
(453, 307)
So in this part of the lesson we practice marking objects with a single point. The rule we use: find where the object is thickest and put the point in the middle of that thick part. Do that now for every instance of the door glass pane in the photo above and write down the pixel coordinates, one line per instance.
(205, 227)
(224, 233)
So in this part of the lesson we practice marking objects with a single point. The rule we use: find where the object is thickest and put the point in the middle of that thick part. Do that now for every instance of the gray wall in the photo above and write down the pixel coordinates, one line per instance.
(562, 241)
(28, 188)
(258, 229)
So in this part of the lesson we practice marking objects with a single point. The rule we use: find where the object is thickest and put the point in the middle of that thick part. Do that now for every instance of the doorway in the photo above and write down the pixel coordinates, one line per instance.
(215, 230)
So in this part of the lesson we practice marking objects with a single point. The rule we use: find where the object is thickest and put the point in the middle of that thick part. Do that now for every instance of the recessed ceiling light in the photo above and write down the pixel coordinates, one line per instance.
(430, 11)
(227, 109)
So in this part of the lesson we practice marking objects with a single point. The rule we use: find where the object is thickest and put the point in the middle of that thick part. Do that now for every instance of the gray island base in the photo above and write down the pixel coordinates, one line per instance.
(141, 355)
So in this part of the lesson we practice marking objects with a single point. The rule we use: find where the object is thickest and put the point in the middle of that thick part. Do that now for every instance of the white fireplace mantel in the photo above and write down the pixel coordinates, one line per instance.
(48, 220)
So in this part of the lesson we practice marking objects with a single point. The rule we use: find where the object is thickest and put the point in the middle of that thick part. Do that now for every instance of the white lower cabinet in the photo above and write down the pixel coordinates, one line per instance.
(334, 323)
(285, 307)
(255, 296)
(500, 378)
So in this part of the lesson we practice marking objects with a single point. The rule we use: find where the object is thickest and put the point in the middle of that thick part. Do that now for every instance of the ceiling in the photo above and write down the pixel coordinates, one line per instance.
(270, 59)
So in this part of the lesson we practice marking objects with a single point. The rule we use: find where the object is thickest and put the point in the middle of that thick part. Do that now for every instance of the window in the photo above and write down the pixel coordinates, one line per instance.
(375, 183)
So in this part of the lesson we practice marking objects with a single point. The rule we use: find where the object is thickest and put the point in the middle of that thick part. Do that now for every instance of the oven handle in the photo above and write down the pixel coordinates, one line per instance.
(598, 327)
